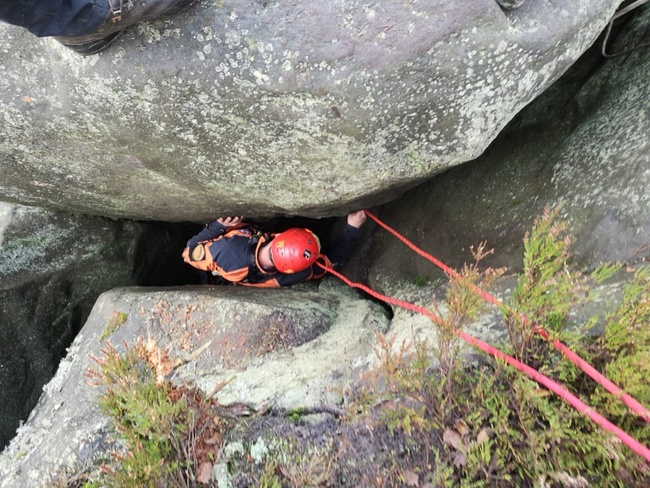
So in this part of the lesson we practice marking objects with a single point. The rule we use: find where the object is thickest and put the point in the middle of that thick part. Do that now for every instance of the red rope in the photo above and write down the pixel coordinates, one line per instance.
(631, 403)
(556, 388)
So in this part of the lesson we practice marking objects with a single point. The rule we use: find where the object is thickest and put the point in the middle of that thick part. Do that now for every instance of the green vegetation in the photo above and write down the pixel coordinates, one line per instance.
(169, 434)
(488, 425)
(420, 280)
(427, 416)
(623, 352)
(115, 322)
(294, 465)
(295, 414)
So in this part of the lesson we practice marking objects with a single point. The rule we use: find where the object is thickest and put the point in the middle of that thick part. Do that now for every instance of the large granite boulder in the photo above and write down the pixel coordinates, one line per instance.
(261, 108)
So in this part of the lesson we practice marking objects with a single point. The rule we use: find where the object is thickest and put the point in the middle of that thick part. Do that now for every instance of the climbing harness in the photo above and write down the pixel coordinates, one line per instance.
(545, 381)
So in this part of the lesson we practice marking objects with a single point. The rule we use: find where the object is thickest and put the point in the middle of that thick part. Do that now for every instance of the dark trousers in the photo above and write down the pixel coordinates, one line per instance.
(68, 18)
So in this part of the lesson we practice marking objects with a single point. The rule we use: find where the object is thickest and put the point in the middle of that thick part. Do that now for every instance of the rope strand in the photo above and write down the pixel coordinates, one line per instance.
(594, 374)
(556, 388)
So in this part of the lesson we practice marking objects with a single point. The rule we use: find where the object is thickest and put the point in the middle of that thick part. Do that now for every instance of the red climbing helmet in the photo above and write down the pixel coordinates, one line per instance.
(294, 250)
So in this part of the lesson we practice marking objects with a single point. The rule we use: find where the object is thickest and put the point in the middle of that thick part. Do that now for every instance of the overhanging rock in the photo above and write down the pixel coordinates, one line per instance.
(274, 107)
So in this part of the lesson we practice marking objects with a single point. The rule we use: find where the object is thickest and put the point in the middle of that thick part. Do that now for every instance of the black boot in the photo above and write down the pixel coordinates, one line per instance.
(123, 13)
(510, 4)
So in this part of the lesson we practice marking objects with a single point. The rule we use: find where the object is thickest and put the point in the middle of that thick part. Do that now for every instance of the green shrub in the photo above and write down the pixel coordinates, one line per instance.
(486, 424)
(167, 431)
(623, 352)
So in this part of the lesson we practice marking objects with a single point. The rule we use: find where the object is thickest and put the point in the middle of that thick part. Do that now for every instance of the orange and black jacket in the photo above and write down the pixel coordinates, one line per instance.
(230, 253)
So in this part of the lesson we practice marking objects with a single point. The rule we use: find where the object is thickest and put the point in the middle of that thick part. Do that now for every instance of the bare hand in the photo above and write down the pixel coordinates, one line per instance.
(357, 219)
(230, 221)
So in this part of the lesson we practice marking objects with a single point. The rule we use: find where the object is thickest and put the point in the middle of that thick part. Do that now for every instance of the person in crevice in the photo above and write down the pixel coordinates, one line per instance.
(86, 26)
(231, 251)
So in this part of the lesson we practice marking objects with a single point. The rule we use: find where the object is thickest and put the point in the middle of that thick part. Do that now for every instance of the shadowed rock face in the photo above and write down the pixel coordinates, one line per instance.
(53, 266)
(261, 108)
(583, 143)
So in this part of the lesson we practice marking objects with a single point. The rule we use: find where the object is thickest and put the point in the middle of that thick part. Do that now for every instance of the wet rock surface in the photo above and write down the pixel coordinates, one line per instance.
(262, 108)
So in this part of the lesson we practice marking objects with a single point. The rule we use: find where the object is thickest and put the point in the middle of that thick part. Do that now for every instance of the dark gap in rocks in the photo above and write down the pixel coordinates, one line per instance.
(390, 312)
(158, 256)
(78, 318)
(159, 263)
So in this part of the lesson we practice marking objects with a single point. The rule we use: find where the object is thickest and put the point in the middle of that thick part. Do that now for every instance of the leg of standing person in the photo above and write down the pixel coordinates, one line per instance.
(86, 26)
(55, 17)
